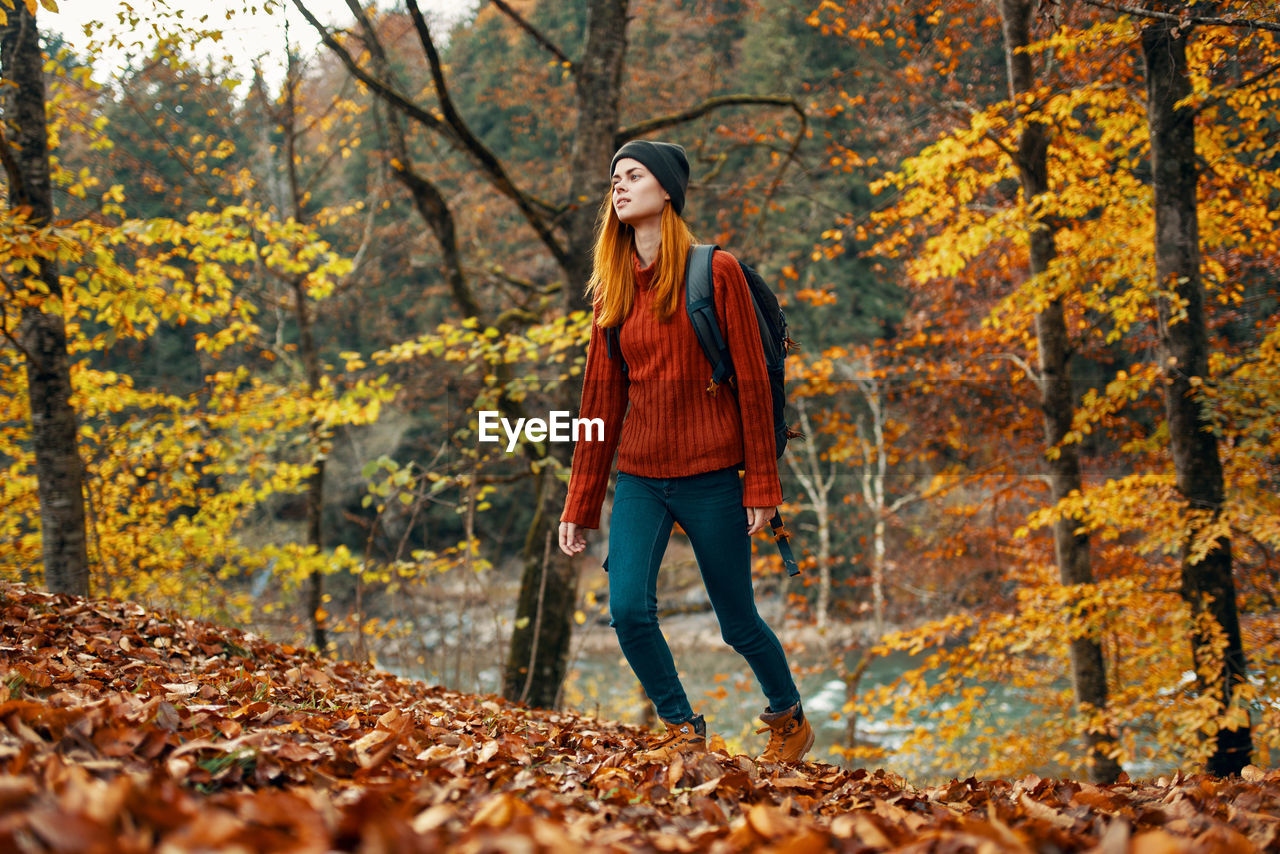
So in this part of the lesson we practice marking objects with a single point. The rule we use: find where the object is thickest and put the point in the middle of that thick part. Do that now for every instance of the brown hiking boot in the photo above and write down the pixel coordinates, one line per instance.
(790, 735)
(687, 737)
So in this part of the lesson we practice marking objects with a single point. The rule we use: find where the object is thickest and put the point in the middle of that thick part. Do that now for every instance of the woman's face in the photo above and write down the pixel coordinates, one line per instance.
(637, 195)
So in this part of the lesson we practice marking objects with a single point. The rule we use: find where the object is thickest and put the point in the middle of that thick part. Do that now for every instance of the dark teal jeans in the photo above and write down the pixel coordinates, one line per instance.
(709, 509)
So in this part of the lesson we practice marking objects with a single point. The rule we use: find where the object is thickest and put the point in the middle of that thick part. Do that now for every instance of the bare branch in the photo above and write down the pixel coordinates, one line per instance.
(153, 131)
(903, 501)
(1247, 83)
(7, 333)
(366, 237)
(1259, 77)
(427, 198)
(782, 168)
(477, 149)
(514, 317)
(523, 284)
(707, 106)
(533, 31)
(457, 134)
(1031, 373)
(1140, 12)
(379, 87)
(292, 82)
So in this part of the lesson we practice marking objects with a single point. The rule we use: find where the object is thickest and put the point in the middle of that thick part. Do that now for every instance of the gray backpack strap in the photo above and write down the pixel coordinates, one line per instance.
(699, 301)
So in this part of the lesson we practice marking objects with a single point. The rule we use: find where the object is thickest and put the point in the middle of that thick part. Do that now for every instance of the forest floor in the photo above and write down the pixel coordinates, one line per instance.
(126, 730)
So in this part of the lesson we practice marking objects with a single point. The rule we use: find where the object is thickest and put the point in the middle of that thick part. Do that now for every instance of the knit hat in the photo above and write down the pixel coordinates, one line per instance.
(665, 160)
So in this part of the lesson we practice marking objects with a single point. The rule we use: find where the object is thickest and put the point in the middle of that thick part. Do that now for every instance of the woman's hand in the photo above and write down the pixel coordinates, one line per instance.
(757, 519)
(572, 540)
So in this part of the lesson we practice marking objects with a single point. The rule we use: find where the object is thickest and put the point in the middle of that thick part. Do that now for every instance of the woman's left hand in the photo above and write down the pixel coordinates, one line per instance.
(758, 519)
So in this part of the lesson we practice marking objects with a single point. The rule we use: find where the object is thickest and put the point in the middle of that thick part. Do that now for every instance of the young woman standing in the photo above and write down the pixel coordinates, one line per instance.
(679, 446)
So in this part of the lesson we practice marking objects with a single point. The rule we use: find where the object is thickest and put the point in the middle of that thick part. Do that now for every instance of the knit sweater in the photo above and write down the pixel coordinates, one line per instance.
(664, 423)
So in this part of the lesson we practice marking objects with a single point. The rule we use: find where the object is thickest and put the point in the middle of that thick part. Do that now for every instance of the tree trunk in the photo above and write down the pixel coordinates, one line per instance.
(315, 483)
(598, 81)
(1072, 550)
(597, 84)
(311, 364)
(539, 650)
(875, 474)
(806, 465)
(43, 335)
(1207, 584)
(880, 458)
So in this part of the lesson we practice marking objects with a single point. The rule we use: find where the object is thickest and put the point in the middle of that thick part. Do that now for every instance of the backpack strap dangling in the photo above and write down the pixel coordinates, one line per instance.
(782, 537)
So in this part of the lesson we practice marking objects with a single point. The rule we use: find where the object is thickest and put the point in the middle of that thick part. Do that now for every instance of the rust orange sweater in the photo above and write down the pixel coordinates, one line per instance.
(664, 423)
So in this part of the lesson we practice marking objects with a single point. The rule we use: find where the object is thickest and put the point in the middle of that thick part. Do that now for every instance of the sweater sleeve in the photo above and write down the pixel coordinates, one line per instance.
(737, 316)
(604, 397)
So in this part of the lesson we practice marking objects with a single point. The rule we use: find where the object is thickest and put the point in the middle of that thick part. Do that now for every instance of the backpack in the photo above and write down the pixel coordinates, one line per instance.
(700, 303)
(774, 339)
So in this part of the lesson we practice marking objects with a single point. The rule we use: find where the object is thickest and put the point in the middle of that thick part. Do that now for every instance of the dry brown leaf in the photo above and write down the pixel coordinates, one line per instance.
(499, 811)
(1159, 842)
(769, 822)
(675, 770)
(267, 748)
(432, 818)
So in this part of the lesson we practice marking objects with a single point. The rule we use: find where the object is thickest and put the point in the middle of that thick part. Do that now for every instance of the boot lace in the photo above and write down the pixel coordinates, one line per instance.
(778, 736)
(670, 738)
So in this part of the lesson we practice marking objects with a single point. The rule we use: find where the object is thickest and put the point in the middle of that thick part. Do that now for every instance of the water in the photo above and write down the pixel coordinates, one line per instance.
(720, 685)
(722, 688)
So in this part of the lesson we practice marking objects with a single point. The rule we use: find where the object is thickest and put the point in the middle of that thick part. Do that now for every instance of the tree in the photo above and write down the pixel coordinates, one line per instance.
(960, 224)
(298, 205)
(1208, 585)
(1053, 380)
(540, 642)
(170, 477)
(42, 334)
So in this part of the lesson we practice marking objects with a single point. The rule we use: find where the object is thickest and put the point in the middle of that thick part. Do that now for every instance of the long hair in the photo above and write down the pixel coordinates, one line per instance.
(612, 285)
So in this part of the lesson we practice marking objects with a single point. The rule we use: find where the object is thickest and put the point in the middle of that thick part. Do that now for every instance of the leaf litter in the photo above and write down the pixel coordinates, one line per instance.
(129, 730)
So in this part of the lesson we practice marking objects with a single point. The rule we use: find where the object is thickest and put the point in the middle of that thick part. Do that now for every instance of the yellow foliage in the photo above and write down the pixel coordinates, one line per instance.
(171, 481)
(956, 216)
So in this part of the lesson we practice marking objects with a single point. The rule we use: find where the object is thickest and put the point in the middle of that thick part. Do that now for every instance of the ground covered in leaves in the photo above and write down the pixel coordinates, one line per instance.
(131, 731)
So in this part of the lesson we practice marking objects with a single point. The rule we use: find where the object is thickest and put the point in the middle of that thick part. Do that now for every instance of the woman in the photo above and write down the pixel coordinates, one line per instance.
(679, 447)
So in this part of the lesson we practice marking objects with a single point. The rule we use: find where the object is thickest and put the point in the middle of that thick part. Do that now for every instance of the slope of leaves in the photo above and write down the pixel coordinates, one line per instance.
(128, 730)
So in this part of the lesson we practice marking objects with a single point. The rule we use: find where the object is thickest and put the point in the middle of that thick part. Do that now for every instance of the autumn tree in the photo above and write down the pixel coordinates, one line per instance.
(564, 230)
(1208, 584)
(33, 286)
(962, 230)
(173, 476)
(1053, 378)
(298, 164)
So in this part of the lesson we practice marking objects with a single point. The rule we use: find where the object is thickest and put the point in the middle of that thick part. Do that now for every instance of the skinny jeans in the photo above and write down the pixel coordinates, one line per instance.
(709, 509)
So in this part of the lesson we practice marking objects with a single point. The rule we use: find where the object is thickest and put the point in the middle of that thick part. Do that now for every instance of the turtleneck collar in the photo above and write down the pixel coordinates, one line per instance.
(644, 275)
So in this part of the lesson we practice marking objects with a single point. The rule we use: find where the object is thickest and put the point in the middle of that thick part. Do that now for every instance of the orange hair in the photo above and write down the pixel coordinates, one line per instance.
(612, 285)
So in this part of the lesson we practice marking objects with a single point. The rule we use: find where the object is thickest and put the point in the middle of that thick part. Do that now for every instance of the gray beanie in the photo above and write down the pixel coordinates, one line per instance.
(665, 160)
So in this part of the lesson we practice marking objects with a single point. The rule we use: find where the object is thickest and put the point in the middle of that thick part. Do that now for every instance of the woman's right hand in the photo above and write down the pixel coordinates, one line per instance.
(572, 538)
